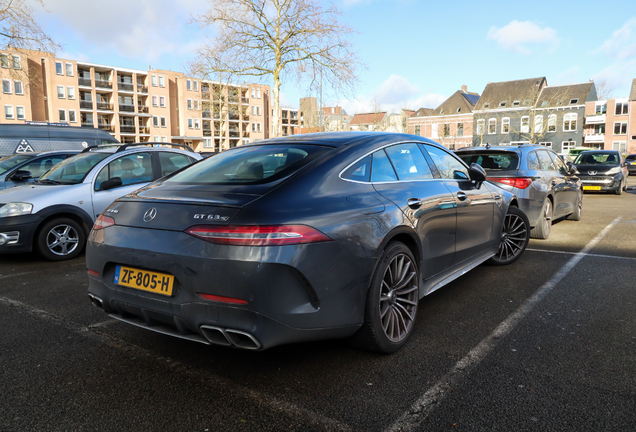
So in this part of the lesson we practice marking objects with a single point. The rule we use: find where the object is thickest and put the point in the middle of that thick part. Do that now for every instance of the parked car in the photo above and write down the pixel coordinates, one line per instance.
(630, 160)
(54, 215)
(547, 188)
(41, 136)
(602, 171)
(295, 239)
(22, 168)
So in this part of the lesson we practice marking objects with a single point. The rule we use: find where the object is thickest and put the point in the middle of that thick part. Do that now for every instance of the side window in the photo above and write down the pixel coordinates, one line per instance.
(409, 162)
(533, 161)
(381, 169)
(544, 160)
(42, 165)
(447, 166)
(359, 171)
(558, 163)
(132, 169)
(171, 162)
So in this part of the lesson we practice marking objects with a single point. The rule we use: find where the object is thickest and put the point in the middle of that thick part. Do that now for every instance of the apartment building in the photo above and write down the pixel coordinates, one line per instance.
(325, 119)
(132, 105)
(450, 124)
(289, 121)
(611, 124)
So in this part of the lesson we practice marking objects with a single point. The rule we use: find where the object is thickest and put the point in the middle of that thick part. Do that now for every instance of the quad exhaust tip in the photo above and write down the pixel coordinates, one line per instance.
(97, 302)
(230, 337)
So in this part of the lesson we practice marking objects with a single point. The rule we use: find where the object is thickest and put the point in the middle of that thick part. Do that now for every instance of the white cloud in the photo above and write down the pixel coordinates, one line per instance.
(517, 35)
(622, 44)
(392, 95)
(566, 77)
(621, 49)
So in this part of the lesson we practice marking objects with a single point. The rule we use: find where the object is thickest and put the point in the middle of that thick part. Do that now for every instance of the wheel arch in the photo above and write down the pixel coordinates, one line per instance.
(64, 211)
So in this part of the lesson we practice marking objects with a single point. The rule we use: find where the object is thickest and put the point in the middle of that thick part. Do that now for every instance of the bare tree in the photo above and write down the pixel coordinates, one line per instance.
(18, 28)
(604, 90)
(279, 38)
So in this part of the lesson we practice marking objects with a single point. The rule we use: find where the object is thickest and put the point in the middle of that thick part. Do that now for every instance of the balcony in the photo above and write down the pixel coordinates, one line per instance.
(246, 117)
(127, 128)
(245, 101)
(91, 125)
(143, 109)
(205, 94)
(103, 84)
(594, 138)
(207, 132)
(105, 126)
(105, 106)
(595, 119)
(86, 82)
(128, 87)
(233, 99)
(142, 88)
(144, 130)
(126, 108)
(206, 115)
(86, 104)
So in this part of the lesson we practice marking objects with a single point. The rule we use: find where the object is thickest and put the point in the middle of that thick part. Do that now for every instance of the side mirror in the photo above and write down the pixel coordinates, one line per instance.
(477, 173)
(572, 168)
(21, 175)
(111, 183)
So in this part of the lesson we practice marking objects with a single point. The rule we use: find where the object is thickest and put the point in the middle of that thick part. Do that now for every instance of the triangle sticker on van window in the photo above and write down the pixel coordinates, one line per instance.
(23, 147)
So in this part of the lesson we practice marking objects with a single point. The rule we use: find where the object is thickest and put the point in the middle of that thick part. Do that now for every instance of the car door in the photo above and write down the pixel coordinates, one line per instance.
(475, 205)
(134, 170)
(401, 174)
(554, 183)
(569, 187)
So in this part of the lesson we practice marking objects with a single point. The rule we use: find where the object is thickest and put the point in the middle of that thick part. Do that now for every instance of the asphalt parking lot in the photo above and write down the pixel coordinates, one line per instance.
(548, 343)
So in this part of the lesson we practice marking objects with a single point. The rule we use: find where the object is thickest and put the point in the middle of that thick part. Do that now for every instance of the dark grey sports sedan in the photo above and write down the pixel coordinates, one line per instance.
(295, 239)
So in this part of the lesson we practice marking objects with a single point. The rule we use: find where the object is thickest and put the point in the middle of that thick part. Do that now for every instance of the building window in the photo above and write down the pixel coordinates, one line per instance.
(546, 144)
(4, 61)
(20, 112)
(525, 124)
(620, 146)
(189, 104)
(6, 86)
(258, 110)
(258, 93)
(190, 125)
(552, 123)
(446, 130)
(566, 146)
(538, 124)
(516, 103)
(258, 125)
(492, 126)
(417, 129)
(434, 128)
(162, 101)
(154, 101)
(153, 81)
(70, 92)
(197, 124)
(481, 125)
(157, 138)
(601, 109)
(621, 108)
(8, 112)
(62, 115)
(459, 109)
(60, 92)
(155, 121)
(487, 105)
(620, 128)
(207, 143)
(69, 69)
(164, 139)
(71, 116)
(569, 122)
(188, 85)
(195, 85)
(253, 92)
(573, 101)
(17, 63)
(163, 122)
(253, 109)
(196, 104)
(161, 81)
(502, 104)
(59, 69)
(460, 129)
(253, 127)
(505, 125)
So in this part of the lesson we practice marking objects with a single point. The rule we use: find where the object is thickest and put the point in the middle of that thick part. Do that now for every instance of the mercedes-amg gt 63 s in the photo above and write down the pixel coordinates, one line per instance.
(302, 238)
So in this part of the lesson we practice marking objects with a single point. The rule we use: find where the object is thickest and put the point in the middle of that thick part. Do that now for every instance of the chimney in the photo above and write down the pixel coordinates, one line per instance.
(464, 89)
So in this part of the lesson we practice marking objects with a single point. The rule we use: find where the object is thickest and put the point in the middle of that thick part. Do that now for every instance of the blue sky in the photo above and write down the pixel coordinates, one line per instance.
(416, 53)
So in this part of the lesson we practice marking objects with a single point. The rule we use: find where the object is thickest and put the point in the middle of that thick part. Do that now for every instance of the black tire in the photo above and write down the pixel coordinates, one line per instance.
(392, 302)
(620, 189)
(514, 238)
(576, 215)
(60, 239)
(543, 228)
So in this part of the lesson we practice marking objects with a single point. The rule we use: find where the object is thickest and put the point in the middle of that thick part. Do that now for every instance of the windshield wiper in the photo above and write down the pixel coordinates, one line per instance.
(48, 181)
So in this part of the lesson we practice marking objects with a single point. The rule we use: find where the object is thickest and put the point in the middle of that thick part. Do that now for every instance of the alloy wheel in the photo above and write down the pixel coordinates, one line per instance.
(62, 240)
(398, 298)
(514, 238)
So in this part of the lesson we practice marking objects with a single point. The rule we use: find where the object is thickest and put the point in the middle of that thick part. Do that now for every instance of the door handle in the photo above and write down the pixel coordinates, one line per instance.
(414, 203)
(461, 196)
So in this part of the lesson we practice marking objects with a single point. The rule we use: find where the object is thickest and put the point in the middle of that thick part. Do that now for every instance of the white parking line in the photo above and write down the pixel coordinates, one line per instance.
(574, 253)
(15, 274)
(313, 419)
(419, 411)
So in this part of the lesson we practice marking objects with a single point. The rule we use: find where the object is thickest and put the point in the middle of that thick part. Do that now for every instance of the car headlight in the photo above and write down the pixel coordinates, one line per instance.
(15, 209)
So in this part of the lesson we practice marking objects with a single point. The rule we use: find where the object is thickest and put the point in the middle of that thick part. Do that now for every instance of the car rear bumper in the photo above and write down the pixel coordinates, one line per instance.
(292, 293)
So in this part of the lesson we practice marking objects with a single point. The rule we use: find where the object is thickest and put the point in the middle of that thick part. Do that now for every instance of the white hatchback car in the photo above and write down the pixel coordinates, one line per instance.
(55, 214)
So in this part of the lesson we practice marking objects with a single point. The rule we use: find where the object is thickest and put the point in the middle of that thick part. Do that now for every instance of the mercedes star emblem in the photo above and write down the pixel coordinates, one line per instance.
(150, 214)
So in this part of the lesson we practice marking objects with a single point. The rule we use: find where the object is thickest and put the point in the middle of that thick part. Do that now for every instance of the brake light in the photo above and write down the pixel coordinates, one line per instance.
(221, 299)
(518, 182)
(258, 235)
(103, 222)
(92, 272)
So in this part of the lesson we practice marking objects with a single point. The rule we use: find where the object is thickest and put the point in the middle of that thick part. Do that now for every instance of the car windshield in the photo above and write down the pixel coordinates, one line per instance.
(630, 158)
(250, 165)
(494, 161)
(8, 162)
(73, 170)
(604, 158)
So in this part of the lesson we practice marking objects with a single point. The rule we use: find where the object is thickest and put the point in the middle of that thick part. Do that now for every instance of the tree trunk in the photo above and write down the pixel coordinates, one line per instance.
(276, 114)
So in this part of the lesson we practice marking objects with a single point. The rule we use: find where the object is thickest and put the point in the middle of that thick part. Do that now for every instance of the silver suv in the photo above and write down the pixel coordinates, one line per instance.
(55, 214)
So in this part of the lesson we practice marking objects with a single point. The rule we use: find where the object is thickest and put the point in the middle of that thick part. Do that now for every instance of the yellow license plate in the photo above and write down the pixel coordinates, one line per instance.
(591, 188)
(159, 283)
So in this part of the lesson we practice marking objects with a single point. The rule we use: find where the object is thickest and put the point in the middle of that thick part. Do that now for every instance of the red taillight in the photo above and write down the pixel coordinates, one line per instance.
(103, 222)
(92, 272)
(221, 299)
(258, 235)
(518, 182)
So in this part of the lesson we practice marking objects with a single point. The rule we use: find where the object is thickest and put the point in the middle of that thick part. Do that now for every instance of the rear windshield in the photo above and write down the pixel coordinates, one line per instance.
(250, 165)
(492, 161)
(73, 170)
(8, 162)
(604, 158)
